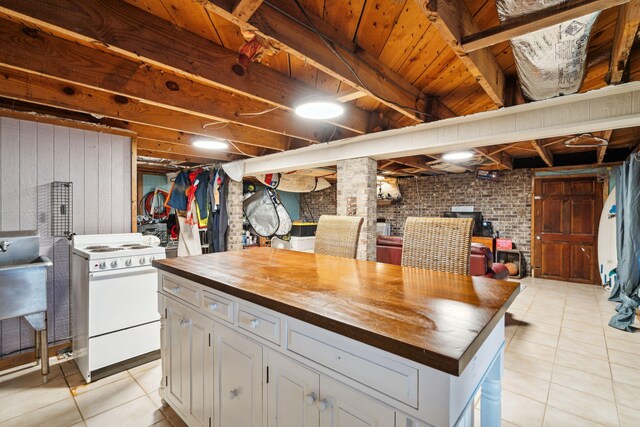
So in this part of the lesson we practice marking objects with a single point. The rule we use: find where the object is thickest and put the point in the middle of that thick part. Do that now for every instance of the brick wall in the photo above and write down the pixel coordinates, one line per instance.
(234, 208)
(507, 204)
(357, 183)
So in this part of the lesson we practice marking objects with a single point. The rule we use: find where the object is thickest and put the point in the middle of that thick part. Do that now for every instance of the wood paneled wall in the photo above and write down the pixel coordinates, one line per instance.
(32, 155)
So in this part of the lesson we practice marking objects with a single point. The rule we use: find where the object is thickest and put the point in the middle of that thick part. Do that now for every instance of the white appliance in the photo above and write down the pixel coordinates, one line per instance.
(300, 244)
(114, 301)
(383, 228)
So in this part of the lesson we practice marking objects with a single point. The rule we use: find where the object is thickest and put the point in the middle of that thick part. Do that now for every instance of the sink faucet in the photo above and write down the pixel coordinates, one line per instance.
(4, 245)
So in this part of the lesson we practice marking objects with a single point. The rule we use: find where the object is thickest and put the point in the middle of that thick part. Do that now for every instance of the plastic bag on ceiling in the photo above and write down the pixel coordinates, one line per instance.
(551, 61)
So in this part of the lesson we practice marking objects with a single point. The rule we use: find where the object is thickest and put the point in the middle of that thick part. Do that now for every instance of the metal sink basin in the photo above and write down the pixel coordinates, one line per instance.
(23, 285)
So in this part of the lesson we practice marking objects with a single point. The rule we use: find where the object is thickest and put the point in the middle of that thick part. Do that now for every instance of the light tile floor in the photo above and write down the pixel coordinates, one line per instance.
(563, 367)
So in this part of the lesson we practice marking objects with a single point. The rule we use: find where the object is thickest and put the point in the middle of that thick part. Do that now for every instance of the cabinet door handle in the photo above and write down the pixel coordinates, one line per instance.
(233, 393)
(324, 404)
(213, 306)
(255, 323)
(176, 289)
(183, 322)
(311, 398)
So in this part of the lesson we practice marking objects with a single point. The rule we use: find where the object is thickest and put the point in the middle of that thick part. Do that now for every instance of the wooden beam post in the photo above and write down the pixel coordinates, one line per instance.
(502, 159)
(626, 30)
(535, 21)
(244, 9)
(543, 152)
(453, 21)
(603, 150)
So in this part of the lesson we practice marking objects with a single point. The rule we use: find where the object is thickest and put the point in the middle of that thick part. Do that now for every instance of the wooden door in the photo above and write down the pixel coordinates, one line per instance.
(292, 393)
(176, 358)
(238, 380)
(342, 406)
(565, 230)
(200, 330)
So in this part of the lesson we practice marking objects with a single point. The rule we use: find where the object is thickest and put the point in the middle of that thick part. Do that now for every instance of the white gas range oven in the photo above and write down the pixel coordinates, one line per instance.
(114, 303)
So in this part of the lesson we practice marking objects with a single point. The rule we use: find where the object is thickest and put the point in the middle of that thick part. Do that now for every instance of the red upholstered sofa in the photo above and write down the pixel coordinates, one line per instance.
(389, 250)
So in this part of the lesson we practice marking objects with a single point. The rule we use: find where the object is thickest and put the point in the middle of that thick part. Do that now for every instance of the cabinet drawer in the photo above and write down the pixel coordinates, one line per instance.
(387, 376)
(218, 306)
(184, 291)
(260, 324)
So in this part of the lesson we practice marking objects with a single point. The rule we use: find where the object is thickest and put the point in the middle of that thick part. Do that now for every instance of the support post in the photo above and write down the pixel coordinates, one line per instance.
(490, 403)
(44, 352)
(357, 197)
(234, 210)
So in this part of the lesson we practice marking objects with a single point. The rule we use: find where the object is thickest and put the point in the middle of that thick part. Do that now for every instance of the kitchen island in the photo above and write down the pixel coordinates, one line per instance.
(268, 337)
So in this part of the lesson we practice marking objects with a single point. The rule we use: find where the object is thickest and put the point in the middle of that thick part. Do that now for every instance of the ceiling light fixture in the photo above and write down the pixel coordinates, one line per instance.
(456, 156)
(319, 109)
(210, 144)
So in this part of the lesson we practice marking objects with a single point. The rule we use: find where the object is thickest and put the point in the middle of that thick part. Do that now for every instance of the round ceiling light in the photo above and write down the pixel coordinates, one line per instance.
(210, 144)
(457, 156)
(319, 109)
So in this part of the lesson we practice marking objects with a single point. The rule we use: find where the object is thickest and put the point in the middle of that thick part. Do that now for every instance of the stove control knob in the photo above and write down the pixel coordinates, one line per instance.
(151, 259)
(114, 264)
(128, 262)
(142, 260)
(102, 265)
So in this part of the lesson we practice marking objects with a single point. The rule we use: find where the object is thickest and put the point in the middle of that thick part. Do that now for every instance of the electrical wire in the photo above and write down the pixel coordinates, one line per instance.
(331, 47)
(206, 125)
(252, 115)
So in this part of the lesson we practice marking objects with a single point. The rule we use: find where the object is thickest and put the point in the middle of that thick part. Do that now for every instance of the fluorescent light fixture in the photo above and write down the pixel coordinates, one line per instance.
(319, 109)
(210, 144)
(457, 156)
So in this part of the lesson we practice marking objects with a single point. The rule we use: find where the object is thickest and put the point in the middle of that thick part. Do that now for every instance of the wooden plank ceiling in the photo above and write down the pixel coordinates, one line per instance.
(162, 69)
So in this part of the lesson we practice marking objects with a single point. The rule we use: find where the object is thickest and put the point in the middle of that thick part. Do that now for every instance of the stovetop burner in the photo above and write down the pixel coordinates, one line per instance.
(96, 247)
(106, 249)
(138, 247)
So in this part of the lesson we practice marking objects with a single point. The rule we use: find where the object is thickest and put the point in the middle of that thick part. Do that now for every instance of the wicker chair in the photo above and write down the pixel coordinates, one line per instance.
(338, 235)
(442, 244)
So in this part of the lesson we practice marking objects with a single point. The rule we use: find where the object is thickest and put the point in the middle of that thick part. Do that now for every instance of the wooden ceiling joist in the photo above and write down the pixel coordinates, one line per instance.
(74, 63)
(244, 9)
(39, 90)
(176, 157)
(603, 149)
(501, 159)
(297, 37)
(624, 36)
(132, 33)
(453, 21)
(535, 21)
(545, 154)
(182, 150)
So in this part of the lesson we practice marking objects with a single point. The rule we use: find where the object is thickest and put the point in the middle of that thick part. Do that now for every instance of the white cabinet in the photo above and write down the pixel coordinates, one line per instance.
(292, 393)
(188, 362)
(238, 376)
(342, 406)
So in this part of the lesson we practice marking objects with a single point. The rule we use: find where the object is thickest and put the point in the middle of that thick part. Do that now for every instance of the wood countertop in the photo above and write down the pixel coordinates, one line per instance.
(436, 319)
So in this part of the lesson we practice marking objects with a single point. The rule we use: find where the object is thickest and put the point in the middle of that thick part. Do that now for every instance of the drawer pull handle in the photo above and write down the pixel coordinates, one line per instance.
(324, 404)
(255, 323)
(176, 289)
(233, 393)
(213, 306)
(311, 398)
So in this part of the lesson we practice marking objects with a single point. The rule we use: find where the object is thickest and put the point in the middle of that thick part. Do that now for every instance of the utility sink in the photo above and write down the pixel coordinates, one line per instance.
(23, 285)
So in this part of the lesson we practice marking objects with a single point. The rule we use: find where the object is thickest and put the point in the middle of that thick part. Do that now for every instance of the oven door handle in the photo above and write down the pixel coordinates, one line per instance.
(99, 275)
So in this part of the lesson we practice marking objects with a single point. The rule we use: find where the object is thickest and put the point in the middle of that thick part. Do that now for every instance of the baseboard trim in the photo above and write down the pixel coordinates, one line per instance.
(30, 356)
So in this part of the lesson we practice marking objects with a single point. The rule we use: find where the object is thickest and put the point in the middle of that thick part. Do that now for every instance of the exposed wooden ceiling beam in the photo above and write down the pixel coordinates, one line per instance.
(603, 149)
(349, 95)
(244, 9)
(543, 152)
(72, 62)
(502, 159)
(181, 149)
(174, 156)
(274, 22)
(135, 34)
(417, 162)
(40, 90)
(535, 21)
(453, 21)
(626, 30)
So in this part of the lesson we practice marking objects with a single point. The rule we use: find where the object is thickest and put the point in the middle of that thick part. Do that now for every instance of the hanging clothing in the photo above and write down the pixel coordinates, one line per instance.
(627, 288)
(189, 186)
(218, 222)
(189, 237)
(178, 195)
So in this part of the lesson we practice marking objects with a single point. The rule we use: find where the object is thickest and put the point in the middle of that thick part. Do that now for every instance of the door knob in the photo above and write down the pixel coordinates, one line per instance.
(233, 393)
(255, 323)
(213, 306)
(324, 404)
(311, 398)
